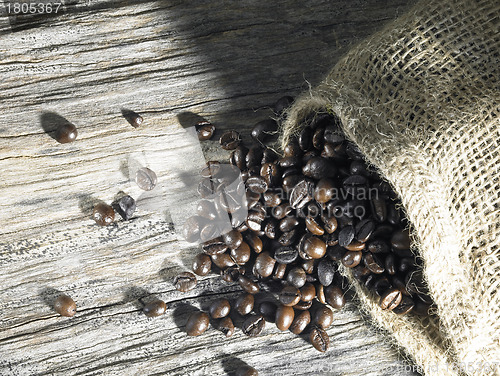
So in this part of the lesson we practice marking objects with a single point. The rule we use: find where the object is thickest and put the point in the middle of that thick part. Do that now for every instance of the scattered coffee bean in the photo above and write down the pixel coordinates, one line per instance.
(230, 140)
(103, 214)
(155, 308)
(253, 325)
(66, 133)
(65, 306)
(226, 326)
(185, 281)
(296, 277)
(289, 296)
(264, 264)
(248, 285)
(263, 129)
(220, 308)
(133, 118)
(300, 322)
(197, 323)
(334, 296)
(146, 179)
(319, 339)
(205, 130)
(284, 317)
(202, 264)
(268, 310)
(323, 317)
(246, 371)
(286, 255)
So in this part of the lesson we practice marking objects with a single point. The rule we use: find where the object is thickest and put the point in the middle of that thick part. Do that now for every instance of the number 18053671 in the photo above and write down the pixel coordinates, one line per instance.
(32, 8)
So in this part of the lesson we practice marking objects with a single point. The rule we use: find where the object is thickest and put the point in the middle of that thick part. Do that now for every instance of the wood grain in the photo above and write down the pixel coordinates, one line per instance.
(225, 61)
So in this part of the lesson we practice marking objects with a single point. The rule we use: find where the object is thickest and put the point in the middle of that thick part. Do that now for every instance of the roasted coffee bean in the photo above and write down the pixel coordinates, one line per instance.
(155, 308)
(284, 317)
(185, 281)
(233, 239)
(214, 247)
(256, 184)
(373, 263)
(244, 304)
(205, 130)
(271, 173)
(254, 157)
(272, 199)
(364, 230)
(125, 206)
(360, 272)
(358, 168)
(220, 308)
(268, 310)
(281, 211)
(252, 199)
(307, 292)
(279, 271)
(289, 296)
(282, 104)
(352, 258)
(296, 277)
(146, 179)
(390, 299)
(390, 264)
(356, 186)
(289, 162)
(197, 323)
(318, 168)
(319, 339)
(333, 135)
(393, 215)
(254, 242)
(230, 274)
(300, 322)
(288, 238)
(238, 157)
(226, 326)
(222, 260)
(271, 228)
(65, 306)
(303, 306)
(314, 247)
(400, 240)
(254, 220)
(269, 156)
(317, 138)
(264, 264)
(301, 194)
(103, 214)
(230, 140)
(305, 139)
(355, 246)
(330, 224)
(242, 254)
(383, 231)
(253, 325)
(405, 306)
(288, 224)
(379, 209)
(326, 272)
(286, 255)
(248, 285)
(66, 133)
(246, 371)
(336, 252)
(377, 246)
(334, 296)
(346, 236)
(308, 266)
(406, 264)
(202, 264)
(324, 191)
(323, 317)
(264, 129)
(320, 293)
(313, 226)
(381, 285)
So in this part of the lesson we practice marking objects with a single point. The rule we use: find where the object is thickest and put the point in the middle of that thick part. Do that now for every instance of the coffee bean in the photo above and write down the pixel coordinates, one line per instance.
(296, 277)
(230, 274)
(377, 246)
(405, 306)
(307, 292)
(248, 285)
(379, 209)
(373, 263)
(286, 255)
(253, 325)
(390, 299)
(226, 326)
(185, 281)
(334, 296)
(320, 293)
(301, 194)
(281, 211)
(103, 214)
(323, 317)
(318, 168)
(324, 191)
(256, 184)
(254, 242)
(146, 179)
(202, 264)
(246, 371)
(268, 311)
(244, 304)
(197, 323)
(364, 230)
(326, 272)
(233, 239)
(317, 138)
(65, 306)
(279, 271)
(313, 226)
(401, 240)
(284, 317)
(352, 258)
(288, 238)
(238, 157)
(222, 260)
(269, 156)
(125, 206)
(66, 133)
(300, 322)
(155, 308)
(288, 224)
(271, 228)
(346, 236)
(210, 231)
(264, 264)
(263, 129)
(303, 306)
(319, 339)
(214, 246)
(282, 104)
(289, 296)
(356, 186)
(205, 130)
(330, 224)
(305, 139)
(230, 140)
(254, 157)
(314, 247)
(272, 199)
(220, 308)
(242, 254)
(271, 173)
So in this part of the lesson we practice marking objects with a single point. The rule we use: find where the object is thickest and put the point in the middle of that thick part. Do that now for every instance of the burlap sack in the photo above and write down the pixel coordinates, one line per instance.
(421, 100)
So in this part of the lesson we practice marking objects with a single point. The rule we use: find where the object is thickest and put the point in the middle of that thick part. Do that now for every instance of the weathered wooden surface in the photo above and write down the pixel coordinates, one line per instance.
(226, 61)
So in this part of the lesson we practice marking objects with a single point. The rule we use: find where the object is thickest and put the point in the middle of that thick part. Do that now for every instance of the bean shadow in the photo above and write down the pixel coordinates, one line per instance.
(138, 296)
(49, 296)
(232, 364)
(181, 313)
(86, 203)
(51, 121)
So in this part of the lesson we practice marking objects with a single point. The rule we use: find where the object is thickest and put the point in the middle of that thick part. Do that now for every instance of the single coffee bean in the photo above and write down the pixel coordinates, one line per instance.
(290, 181)
(352, 258)
(125, 206)
(185, 281)
(333, 135)
(390, 264)
(318, 168)
(226, 326)
(205, 130)
(288, 224)
(381, 285)
(373, 263)
(308, 266)
(288, 238)
(238, 157)
(320, 293)
(325, 190)
(282, 104)
(364, 230)
(405, 306)
(254, 242)
(281, 211)
(272, 199)
(244, 304)
(334, 296)
(286, 255)
(401, 240)
(242, 254)
(323, 317)
(197, 323)
(279, 271)
(390, 299)
(296, 277)
(230, 274)
(192, 227)
(256, 184)
(233, 239)
(319, 339)
(284, 317)
(300, 322)
(146, 179)
(335, 252)
(155, 308)
(271, 228)
(305, 139)
(264, 264)
(271, 173)
(214, 247)
(248, 285)
(355, 246)
(210, 231)
(317, 139)
(379, 209)
(246, 371)
(254, 158)
(393, 215)
(314, 247)
(222, 260)
(326, 272)
(220, 308)
(313, 226)
(301, 194)
(263, 129)
(330, 224)
(103, 214)
(289, 296)
(202, 264)
(66, 133)
(253, 325)
(65, 306)
(377, 246)
(230, 140)
(269, 156)
(346, 236)
(303, 306)
(356, 186)
(307, 292)
(358, 168)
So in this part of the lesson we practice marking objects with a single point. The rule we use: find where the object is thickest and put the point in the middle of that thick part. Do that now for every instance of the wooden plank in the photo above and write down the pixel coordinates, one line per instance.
(226, 61)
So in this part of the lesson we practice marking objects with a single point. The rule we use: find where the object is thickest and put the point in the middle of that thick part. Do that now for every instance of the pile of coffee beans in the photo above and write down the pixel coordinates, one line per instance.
(317, 206)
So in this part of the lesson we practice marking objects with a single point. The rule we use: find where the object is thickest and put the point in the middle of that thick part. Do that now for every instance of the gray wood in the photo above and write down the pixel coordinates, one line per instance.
(225, 61)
